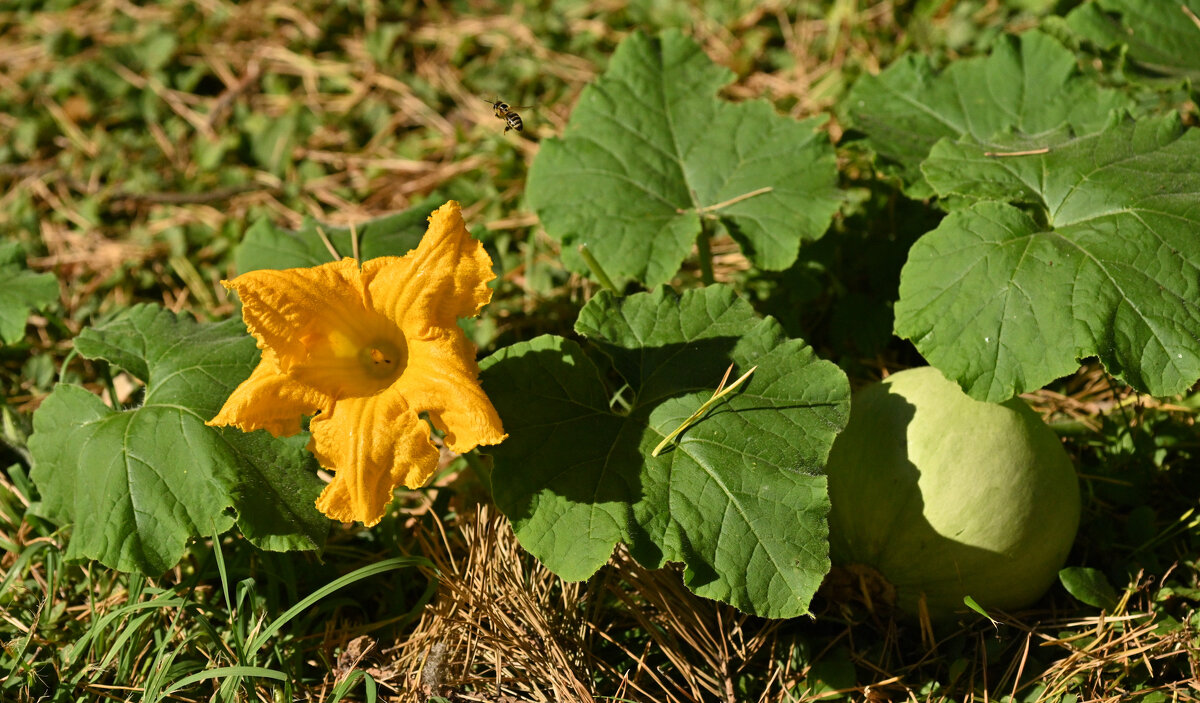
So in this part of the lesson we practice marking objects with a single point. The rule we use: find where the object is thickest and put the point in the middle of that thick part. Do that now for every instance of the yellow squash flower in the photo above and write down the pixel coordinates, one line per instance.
(366, 349)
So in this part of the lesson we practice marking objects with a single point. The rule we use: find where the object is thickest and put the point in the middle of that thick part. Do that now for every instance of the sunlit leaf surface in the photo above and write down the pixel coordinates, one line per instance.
(739, 498)
(650, 151)
(138, 483)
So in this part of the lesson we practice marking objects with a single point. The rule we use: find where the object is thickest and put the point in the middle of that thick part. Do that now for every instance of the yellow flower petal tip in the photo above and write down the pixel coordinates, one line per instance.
(367, 349)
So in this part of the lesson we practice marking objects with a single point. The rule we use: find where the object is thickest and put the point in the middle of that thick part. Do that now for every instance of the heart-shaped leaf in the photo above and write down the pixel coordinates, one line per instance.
(650, 151)
(739, 498)
(1110, 265)
(1028, 86)
(139, 483)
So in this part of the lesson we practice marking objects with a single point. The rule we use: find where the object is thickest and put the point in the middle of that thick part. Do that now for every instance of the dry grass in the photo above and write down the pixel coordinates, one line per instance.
(1091, 395)
(501, 626)
(503, 629)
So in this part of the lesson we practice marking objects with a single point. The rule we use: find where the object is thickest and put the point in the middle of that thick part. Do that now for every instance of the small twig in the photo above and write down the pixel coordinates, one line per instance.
(733, 201)
(221, 105)
(172, 98)
(70, 128)
(717, 395)
(1191, 15)
(354, 242)
(1021, 668)
(726, 203)
(328, 244)
(1031, 152)
(725, 378)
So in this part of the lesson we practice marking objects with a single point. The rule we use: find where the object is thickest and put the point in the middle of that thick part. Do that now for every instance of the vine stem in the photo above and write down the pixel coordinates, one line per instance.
(597, 269)
(703, 243)
(705, 247)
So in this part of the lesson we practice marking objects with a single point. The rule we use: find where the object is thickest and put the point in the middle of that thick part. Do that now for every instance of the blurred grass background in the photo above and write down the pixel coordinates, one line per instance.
(138, 142)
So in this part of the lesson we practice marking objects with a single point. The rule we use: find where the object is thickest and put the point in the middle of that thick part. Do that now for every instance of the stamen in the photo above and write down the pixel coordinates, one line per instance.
(382, 359)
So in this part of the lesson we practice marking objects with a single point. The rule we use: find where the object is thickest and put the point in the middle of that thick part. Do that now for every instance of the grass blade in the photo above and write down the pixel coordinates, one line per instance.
(352, 577)
(225, 672)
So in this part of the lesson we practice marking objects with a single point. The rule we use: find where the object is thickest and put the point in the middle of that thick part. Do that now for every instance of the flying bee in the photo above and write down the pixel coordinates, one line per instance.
(507, 113)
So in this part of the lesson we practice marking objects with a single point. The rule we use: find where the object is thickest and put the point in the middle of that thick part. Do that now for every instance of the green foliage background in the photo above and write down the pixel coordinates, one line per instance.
(140, 145)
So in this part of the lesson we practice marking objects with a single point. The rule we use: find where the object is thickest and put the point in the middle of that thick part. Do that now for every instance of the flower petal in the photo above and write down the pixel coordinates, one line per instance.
(442, 379)
(443, 279)
(373, 444)
(269, 401)
(283, 308)
(317, 322)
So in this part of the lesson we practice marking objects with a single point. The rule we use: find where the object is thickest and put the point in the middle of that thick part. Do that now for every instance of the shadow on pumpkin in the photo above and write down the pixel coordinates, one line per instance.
(879, 521)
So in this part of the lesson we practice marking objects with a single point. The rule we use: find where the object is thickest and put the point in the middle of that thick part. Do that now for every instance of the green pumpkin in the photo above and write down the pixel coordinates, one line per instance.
(947, 496)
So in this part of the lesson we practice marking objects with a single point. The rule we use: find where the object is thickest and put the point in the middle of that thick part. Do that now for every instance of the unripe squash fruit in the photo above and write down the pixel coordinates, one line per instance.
(947, 496)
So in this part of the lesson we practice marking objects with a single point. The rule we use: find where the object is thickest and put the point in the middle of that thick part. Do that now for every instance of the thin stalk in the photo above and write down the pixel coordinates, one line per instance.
(62, 370)
(597, 269)
(530, 266)
(328, 244)
(111, 387)
(705, 247)
(735, 200)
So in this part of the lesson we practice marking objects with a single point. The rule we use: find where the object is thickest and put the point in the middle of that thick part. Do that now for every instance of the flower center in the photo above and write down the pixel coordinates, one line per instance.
(382, 359)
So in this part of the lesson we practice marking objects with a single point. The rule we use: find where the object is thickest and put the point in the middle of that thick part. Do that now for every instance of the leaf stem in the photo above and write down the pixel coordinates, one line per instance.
(705, 247)
(718, 394)
(597, 269)
(111, 387)
(62, 370)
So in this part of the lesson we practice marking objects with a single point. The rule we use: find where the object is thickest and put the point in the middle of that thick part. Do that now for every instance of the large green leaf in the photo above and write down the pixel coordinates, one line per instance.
(650, 152)
(21, 291)
(1108, 266)
(1028, 86)
(1162, 36)
(740, 499)
(139, 483)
